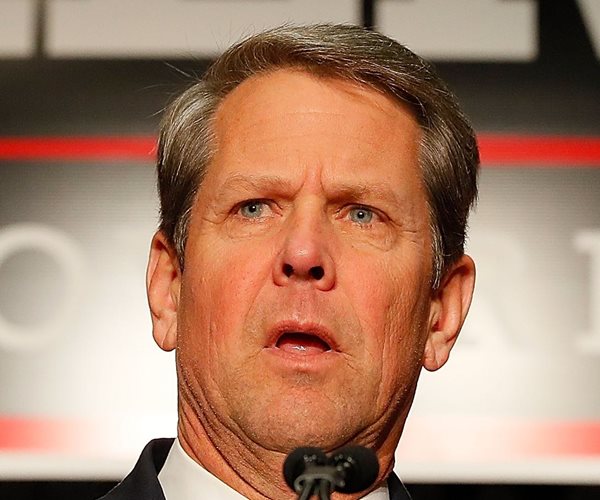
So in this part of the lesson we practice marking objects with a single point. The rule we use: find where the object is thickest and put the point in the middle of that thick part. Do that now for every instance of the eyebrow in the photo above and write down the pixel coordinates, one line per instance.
(367, 191)
(356, 192)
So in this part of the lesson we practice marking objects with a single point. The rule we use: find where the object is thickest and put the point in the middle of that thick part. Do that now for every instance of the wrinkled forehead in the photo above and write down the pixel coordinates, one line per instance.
(280, 91)
(293, 116)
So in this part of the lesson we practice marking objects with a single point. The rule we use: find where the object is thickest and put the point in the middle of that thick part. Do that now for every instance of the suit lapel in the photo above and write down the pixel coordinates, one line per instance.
(396, 488)
(142, 482)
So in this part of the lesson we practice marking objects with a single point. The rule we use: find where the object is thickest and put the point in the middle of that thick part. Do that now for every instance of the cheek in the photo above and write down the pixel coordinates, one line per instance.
(384, 292)
(221, 286)
(238, 273)
(391, 302)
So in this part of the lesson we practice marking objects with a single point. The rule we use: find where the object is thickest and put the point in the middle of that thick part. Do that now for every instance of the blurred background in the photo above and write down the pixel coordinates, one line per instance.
(515, 413)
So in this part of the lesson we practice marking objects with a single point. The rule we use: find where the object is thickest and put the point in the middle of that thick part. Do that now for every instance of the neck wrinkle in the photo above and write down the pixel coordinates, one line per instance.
(265, 484)
(253, 473)
(243, 465)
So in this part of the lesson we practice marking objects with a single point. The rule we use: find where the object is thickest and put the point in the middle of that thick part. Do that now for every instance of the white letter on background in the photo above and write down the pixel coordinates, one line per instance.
(175, 28)
(589, 242)
(478, 30)
(590, 12)
(67, 254)
(17, 28)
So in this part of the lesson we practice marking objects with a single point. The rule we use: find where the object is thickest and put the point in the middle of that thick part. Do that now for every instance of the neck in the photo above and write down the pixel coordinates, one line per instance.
(251, 470)
(245, 467)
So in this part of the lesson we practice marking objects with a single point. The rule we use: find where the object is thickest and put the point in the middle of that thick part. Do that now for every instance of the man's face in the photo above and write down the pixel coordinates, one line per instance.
(305, 300)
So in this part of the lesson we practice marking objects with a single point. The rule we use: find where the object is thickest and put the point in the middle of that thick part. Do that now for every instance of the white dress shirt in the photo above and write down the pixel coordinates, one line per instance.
(181, 478)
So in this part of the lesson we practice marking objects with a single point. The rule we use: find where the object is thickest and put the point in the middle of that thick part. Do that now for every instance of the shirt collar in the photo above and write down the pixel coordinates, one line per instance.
(181, 478)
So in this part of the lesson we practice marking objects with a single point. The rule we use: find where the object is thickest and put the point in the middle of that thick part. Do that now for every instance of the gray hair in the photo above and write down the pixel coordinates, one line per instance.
(449, 157)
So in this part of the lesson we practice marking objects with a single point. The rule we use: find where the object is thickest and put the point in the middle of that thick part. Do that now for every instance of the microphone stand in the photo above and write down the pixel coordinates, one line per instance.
(325, 490)
(316, 480)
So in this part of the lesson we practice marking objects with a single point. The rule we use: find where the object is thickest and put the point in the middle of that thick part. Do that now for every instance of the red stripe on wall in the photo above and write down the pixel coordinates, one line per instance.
(470, 438)
(523, 150)
(496, 149)
(41, 434)
(494, 438)
(91, 148)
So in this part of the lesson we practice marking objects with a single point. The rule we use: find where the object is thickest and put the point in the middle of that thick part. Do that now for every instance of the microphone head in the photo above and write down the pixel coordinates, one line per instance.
(358, 465)
(296, 462)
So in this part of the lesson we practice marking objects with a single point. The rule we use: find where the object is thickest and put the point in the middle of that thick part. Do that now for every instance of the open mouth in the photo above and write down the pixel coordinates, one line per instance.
(302, 343)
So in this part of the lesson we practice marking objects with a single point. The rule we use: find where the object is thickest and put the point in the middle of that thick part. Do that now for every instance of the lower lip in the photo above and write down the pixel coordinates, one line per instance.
(301, 360)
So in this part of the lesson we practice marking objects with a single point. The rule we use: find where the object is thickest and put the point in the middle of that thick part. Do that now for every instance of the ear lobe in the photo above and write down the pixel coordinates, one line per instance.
(448, 311)
(163, 280)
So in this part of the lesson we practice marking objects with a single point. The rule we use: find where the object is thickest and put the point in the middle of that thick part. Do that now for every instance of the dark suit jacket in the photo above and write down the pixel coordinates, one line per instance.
(142, 482)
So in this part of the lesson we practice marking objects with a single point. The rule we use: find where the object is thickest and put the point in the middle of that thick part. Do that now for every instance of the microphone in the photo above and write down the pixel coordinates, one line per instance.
(309, 471)
(357, 467)
(299, 460)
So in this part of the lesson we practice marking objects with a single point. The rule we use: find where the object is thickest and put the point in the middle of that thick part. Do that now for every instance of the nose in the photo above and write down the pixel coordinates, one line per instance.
(305, 255)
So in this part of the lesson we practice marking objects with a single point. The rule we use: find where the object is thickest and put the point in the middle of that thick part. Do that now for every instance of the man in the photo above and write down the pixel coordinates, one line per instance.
(315, 186)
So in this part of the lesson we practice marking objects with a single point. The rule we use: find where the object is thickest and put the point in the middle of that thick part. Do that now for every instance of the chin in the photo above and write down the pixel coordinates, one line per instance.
(286, 438)
(283, 427)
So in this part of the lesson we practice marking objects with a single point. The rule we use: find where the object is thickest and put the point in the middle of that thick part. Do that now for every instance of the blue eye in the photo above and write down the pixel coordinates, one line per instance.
(252, 209)
(361, 215)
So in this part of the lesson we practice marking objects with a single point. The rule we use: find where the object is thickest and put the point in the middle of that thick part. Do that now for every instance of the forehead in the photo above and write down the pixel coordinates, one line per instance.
(289, 119)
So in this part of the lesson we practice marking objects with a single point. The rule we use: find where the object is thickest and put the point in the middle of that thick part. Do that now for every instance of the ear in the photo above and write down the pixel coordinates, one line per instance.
(163, 280)
(448, 311)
